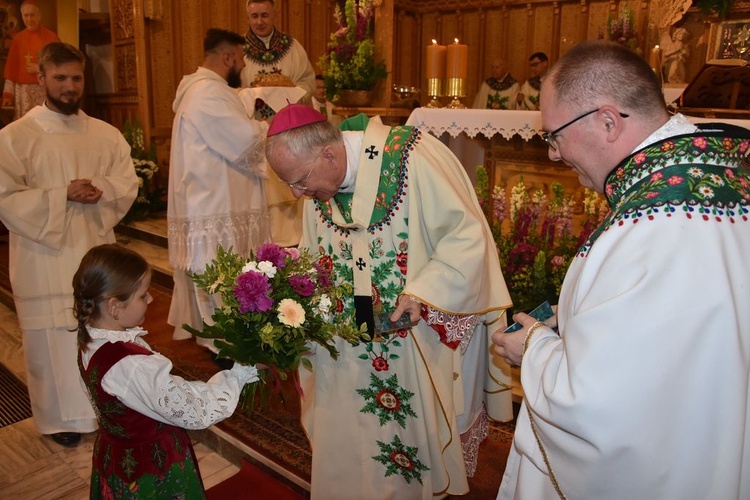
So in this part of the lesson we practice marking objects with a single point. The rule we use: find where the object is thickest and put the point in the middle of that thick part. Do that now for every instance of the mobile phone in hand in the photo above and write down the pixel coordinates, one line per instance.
(383, 323)
(542, 312)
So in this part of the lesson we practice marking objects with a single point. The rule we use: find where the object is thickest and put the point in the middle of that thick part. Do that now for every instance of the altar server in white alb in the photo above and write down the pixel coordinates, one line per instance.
(645, 392)
(217, 165)
(66, 180)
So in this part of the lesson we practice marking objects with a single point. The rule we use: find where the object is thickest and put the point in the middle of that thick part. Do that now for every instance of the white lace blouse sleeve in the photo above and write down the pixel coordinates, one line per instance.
(145, 384)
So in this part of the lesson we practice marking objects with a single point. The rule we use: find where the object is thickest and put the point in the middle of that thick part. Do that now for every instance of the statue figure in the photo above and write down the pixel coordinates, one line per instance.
(676, 52)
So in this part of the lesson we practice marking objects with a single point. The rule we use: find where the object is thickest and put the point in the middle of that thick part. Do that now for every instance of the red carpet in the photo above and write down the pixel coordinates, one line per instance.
(251, 483)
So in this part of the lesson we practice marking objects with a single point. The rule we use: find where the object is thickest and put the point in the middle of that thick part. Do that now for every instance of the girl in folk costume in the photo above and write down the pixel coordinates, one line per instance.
(142, 448)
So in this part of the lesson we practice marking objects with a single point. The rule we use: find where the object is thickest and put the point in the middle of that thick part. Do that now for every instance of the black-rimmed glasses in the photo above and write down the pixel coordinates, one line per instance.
(549, 137)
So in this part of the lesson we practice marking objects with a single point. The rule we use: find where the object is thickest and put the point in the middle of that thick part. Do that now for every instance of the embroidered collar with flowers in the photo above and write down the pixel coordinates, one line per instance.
(500, 84)
(696, 174)
(391, 189)
(256, 51)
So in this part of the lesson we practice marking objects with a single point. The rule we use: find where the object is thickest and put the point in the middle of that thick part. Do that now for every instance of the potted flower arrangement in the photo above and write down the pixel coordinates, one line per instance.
(276, 305)
(349, 62)
(145, 166)
(536, 236)
(621, 29)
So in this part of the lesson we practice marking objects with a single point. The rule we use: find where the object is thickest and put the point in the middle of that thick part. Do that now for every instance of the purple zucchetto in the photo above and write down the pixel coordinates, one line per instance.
(294, 116)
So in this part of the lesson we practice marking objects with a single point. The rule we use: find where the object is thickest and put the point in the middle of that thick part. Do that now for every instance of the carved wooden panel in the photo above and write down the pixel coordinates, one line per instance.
(126, 68)
(162, 70)
(122, 19)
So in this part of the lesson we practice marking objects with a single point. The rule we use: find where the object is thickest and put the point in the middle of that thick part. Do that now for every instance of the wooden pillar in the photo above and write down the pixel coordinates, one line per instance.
(383, 34)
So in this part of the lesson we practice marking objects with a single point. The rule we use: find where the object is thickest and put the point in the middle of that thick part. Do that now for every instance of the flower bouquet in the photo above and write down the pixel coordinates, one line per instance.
(536, 236)
(349, 62)
(274, 306)
(621, 29)
(145, 166)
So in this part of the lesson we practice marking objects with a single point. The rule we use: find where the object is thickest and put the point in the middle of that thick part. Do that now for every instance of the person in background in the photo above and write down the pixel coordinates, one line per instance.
(21, 89)
(394, 213)
(268, 50)
(142, 445)
(644, 391)
(66, 180)
(499, 91)
(528, 97)
(216, 194)
(321, 104)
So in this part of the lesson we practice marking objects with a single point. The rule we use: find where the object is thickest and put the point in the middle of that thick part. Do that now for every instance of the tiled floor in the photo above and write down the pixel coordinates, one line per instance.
(35, 467)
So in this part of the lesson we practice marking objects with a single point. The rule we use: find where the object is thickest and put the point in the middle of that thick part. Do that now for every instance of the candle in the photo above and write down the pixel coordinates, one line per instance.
(435, 60)
(457, 60)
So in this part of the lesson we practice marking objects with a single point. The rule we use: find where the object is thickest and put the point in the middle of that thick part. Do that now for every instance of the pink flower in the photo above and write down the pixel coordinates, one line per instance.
(252, 291)
(727, 143)
(272, 253)
(674, 180)
(291, 313)
(558, 261)
(667, 146)
(700, 142)
(743, 146)
(302, 285)
(293, 253)
(639, 158)
(657, 177)
(729, 173)
(651, 194)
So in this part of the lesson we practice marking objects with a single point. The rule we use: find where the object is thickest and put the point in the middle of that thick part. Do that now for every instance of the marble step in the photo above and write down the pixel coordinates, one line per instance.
(149, 238)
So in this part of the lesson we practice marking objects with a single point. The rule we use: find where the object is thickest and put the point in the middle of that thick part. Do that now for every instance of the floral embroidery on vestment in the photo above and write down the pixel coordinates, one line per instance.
(392, 185)
(278, 47)
(387, 400)
(696, 174)
(497, 101)
(400, 459)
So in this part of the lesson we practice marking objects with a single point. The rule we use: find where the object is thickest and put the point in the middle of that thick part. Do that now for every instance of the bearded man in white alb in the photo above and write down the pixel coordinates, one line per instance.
(216, 195)
(66, 180)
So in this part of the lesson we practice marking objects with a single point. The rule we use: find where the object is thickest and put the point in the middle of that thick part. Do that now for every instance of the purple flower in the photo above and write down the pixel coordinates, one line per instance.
(302, 285)
(252, 291)
(273, 253)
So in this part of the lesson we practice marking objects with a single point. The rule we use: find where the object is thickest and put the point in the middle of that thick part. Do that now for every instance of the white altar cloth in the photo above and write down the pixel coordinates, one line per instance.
(488, 122)
(491, 122)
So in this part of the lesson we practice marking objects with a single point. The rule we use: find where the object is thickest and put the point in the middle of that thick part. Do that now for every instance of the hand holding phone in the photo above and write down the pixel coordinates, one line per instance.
(383, 323)
(542, 312)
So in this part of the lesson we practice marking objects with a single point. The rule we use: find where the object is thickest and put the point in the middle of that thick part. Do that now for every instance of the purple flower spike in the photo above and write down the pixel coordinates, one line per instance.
(273, 253)
(302, 285)
(252, 291)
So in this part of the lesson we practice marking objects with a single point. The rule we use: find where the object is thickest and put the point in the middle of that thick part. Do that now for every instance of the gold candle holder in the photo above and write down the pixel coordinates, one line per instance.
(434, 90)
(455, 89)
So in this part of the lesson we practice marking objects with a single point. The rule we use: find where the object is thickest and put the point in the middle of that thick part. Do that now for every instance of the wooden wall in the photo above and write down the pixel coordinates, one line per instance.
(513, 30)
(159, 41)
